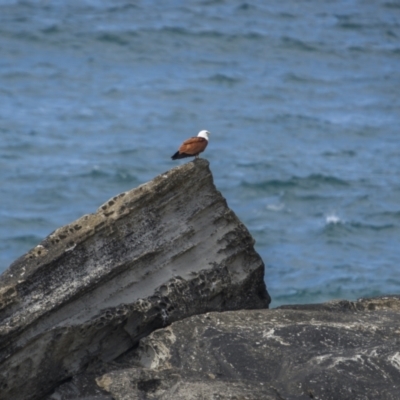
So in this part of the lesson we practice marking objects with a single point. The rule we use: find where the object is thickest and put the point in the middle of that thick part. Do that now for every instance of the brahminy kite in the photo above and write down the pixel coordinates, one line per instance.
(192, 147)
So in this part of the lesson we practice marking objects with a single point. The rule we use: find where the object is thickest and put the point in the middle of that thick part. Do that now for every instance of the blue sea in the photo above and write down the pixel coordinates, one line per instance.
(302, 99)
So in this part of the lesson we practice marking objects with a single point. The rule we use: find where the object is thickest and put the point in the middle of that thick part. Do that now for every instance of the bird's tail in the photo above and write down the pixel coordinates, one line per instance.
(178, 155)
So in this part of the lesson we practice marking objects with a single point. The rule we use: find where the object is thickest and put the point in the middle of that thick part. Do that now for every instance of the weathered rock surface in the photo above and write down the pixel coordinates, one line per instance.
(164, 251)
(333, 351)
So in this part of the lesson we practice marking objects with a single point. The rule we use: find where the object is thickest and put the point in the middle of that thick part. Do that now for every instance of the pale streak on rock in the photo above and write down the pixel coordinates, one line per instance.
(395, 360)
(270, 334)
(161, 252)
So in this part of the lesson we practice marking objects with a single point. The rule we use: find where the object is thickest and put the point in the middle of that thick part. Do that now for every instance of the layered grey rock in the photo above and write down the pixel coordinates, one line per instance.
(334, 351)
(164, 251)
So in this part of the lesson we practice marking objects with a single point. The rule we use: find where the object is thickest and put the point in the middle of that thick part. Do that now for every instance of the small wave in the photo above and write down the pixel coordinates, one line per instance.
(178, 30)
(335, 227)
(51, 29)
(371, 227)
(209, 33)
(23, 147)
(331, 180)
(350, 25)
(286, 15)
(116, 176)
(224, 79)
(276, 207)
(310, 182)
(18, 221)
(297, 78)
(349, 153)
(127, 152)
(245, 7)
(357, 49)
(7, 93)
(112, 38)
(390, 214)
(270, 184)
(312, 197)
(334, 222)
(297, 44)
(126, 177)
(168, 30)
(29, 36)
(124, 8)
(95, 173)
(332, 219)
(391, 34)
(298, 118)
(17, 74)
(392, 4)
(262, 165)
(28, 240)
(350, 22)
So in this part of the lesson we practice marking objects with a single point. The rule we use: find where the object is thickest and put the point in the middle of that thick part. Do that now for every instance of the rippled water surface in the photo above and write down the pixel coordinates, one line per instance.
(301, 98)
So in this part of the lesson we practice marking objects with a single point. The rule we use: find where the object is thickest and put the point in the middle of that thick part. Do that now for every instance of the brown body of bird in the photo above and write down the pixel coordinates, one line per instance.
(192, 147)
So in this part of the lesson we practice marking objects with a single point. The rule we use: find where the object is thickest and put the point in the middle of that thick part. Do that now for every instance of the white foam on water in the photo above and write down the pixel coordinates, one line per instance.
(275, 207)
(332, 219)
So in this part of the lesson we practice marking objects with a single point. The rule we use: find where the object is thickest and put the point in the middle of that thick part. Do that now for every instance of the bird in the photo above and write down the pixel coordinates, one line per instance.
(193, 147)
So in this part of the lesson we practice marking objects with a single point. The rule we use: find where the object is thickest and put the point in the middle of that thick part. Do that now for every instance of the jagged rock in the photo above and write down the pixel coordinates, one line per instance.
(333, 351)
(164, 251)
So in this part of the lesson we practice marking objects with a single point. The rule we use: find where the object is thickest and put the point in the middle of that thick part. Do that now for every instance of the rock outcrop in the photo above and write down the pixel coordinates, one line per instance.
(91, 290)
(334, 351)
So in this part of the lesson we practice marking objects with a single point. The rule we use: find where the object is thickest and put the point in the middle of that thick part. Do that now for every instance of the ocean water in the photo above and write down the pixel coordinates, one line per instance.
(302, 99)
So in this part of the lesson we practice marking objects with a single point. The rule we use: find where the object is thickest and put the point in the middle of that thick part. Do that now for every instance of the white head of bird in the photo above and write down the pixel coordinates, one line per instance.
(204, 134)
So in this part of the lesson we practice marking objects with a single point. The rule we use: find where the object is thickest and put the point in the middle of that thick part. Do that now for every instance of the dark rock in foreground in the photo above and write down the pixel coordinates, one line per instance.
(164, 251)
(333, 351)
